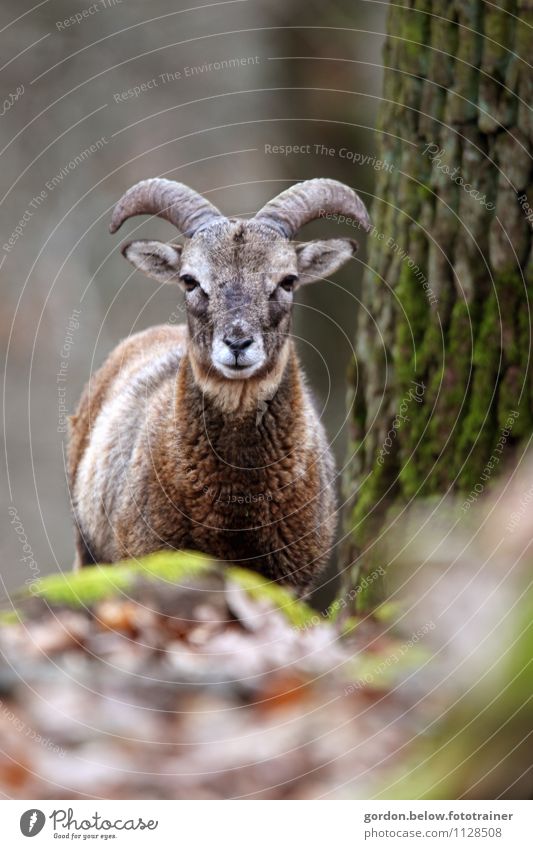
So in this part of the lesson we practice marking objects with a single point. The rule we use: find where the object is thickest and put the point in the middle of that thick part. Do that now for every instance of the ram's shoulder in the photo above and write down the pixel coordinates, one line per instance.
(140, 352)
(162, 336)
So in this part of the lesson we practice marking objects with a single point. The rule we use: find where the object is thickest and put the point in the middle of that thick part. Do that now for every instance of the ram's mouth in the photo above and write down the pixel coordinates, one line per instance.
(238, 371)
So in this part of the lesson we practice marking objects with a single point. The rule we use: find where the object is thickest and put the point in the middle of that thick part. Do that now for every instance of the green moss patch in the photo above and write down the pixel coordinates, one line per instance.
(95, 583)
(297, 612)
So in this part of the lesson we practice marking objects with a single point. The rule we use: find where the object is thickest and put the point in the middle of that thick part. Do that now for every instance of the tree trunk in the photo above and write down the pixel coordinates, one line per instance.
(441, 390)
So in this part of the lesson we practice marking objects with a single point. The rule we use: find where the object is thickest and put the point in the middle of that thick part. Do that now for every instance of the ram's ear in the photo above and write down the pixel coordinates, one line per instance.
(323, 257)
(156, 259)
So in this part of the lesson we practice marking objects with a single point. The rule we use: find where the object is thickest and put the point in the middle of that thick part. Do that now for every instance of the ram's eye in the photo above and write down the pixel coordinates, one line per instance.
(287, 284)
(190, 282)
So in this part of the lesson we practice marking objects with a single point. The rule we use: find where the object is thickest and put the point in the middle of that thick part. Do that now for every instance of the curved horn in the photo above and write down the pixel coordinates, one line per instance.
(179, 204)
(312, 199)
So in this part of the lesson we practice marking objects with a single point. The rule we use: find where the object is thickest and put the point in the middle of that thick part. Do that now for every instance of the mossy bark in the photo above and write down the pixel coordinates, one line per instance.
(448, 288)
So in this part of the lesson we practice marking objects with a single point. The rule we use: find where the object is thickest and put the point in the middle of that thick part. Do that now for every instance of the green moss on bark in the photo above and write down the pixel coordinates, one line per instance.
(470, 346)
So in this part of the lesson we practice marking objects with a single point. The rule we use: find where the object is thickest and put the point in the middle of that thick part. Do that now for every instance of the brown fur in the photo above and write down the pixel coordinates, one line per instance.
(250, 492)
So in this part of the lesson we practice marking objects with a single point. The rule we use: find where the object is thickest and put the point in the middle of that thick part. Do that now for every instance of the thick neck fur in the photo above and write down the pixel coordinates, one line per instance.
(241, 397)
(249, 422)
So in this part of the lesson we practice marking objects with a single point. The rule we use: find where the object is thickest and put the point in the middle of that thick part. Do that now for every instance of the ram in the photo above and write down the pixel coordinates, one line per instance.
(205, 436)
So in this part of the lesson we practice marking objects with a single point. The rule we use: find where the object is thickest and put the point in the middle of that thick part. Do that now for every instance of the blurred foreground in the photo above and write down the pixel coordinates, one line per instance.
(172, 679)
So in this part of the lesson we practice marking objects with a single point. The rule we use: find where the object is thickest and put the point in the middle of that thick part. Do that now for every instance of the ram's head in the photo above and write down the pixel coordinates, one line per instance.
(239, 275)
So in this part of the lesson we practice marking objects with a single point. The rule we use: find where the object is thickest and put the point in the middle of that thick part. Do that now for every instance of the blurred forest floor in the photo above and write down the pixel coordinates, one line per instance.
(176, 678)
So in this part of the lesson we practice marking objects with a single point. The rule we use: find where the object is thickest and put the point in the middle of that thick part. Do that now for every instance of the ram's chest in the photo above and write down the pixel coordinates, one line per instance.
(242, 503)
(235, 495)
(255, 523)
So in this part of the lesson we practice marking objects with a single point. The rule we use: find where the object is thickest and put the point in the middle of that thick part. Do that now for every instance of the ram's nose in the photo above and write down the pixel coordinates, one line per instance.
(237, 345)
